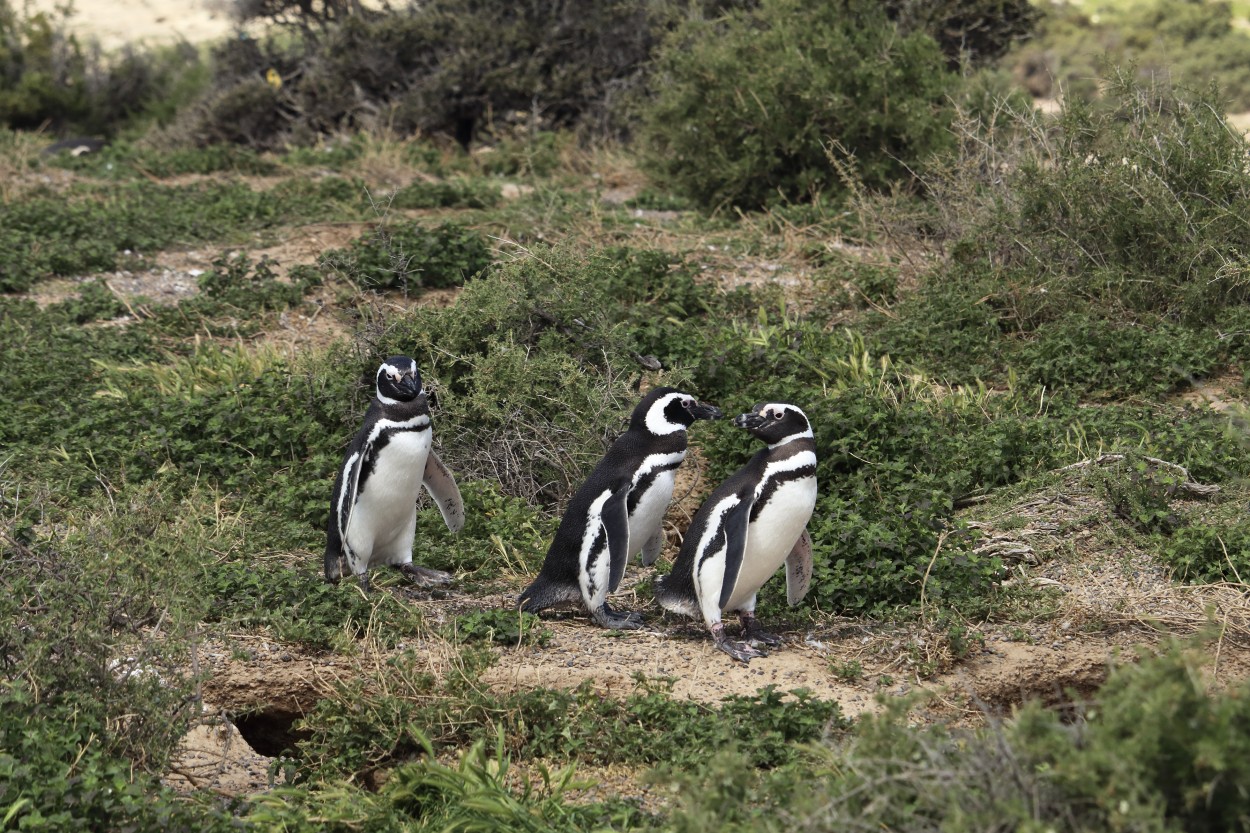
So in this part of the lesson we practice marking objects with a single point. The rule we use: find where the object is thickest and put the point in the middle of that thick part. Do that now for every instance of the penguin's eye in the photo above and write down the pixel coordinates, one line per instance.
(687, 404)
(777, 414)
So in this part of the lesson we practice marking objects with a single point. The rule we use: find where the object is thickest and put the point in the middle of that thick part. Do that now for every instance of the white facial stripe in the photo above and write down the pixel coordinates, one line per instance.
(658, 461)
(657, 422)
(794, 461)
(806, 434)
(419, 422)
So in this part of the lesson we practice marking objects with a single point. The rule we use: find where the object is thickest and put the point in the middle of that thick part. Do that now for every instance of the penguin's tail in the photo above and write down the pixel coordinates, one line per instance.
(673, 599)
(333, 565)
(544, 593)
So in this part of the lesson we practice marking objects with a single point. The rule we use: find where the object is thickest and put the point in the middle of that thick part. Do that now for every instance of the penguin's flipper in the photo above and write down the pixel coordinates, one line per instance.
(442, 487)
(347, 503)
(734, 527)
(799, 569)
(651, 549)
(615, 519)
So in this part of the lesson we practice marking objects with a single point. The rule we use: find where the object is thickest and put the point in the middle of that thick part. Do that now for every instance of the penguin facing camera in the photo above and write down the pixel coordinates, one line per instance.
(618, 511)
(373, 509)
(747, 528)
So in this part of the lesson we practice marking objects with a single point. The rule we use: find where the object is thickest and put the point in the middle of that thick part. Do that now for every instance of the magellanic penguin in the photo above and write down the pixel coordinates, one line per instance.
(373, 511)
(619, 510)
(746, 529)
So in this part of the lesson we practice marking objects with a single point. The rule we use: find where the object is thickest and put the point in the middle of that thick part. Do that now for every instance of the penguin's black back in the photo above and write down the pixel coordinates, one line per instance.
(680, 582)
(611, 473)
(652, 431)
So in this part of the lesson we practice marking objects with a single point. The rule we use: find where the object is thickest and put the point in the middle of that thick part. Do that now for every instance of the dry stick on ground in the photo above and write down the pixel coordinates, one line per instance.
(925, 581)
(1188, 485)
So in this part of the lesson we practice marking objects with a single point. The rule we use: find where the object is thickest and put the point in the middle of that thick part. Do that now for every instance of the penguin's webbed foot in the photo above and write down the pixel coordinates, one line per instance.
(752, 632)
(741, 651)
(424, 576)
(610, 619)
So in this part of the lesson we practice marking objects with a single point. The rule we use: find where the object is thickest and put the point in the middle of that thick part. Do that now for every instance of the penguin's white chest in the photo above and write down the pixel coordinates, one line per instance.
(383, 520)
(771, 536)
(648, 513)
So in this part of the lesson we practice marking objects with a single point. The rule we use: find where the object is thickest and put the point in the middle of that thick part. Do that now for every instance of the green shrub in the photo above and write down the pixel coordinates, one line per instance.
(746, 107)
(456, 68)
(970, 32)
(1154, 750)
(99, 609)
(460, 193)
(352, 732)
(409, 256)
(1104, 260)
(1134, 207)
(95, 302)
(1140, 493)
(48, 78)
(505, 627)
(123, 160)
(1172, 40)
(1203, 552)
(88, 229)
(299, 606)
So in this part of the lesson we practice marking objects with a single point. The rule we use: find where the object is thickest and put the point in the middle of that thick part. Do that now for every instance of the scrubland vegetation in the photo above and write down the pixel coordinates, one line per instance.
(984, 294)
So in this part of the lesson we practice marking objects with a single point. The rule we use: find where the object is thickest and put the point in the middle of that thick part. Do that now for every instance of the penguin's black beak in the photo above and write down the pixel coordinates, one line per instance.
(705, 411)
(749, 421)
(409, 384)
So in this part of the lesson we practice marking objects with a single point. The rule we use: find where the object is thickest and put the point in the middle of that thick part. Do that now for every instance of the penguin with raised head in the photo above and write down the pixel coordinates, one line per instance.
(747, 528)
(373, 510)
(618, 511)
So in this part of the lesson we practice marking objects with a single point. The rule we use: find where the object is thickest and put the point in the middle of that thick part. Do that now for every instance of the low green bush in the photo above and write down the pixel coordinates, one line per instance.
(460, 193)
(350, 733)
(99, 612)
(1153, 750)
(410, 256)
(91, 228)
(48, 78)
(1133, 208)
(748, 108)
(1175, 40)
(1105, 260)
(456, 68)
(125, 160)
(505, 627)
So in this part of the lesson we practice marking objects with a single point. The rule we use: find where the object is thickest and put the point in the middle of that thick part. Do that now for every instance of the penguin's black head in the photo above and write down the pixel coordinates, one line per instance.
(399, 381)
(775, 422)
(665, 410)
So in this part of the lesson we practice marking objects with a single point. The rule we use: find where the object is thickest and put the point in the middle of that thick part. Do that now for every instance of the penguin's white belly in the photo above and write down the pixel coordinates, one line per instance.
(383, 521)
(649, 513)
(771, 536)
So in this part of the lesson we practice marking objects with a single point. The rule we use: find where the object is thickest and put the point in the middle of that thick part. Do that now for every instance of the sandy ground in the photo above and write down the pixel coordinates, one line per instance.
(114, 23)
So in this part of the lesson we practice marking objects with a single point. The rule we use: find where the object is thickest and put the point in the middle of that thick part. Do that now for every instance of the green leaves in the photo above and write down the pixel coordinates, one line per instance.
(753, 104)
(409, 256)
